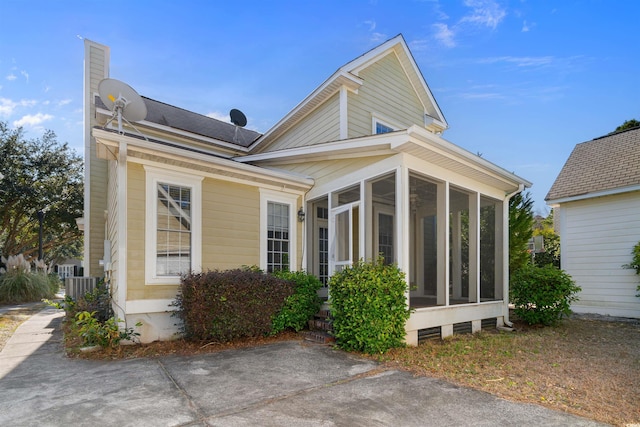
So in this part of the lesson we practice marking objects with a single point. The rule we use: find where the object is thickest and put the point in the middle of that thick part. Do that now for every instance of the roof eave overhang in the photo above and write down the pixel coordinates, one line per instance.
(593, 195)
(429, 142)
(415, 141)
(332, 85)
(216, 164)
(181, 133)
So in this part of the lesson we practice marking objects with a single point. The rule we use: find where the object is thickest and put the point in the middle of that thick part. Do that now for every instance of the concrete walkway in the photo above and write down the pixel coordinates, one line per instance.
(284, 384)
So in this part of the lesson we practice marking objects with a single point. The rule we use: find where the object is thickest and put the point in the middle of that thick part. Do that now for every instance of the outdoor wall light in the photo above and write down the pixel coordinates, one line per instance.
(300, 215)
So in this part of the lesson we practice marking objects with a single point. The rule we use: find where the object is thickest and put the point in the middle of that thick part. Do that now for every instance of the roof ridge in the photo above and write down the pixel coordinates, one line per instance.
(616, 133)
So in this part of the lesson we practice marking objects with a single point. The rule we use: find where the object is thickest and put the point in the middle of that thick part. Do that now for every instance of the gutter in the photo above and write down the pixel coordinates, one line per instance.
(505, 249)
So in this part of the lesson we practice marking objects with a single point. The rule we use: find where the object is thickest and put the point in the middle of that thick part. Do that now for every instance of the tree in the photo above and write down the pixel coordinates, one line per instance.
(551, 254)
(39, 175)
(628, 124)
(520, 231)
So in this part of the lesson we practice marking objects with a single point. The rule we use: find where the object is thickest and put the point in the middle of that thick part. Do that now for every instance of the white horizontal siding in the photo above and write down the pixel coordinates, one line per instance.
(597, 237)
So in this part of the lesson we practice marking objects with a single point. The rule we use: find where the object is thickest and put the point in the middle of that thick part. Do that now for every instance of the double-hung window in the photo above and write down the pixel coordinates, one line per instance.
(173, 225)
(278, 231)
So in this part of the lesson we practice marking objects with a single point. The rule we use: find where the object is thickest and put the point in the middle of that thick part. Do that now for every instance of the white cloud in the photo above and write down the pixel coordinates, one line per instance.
(520, 61)
(64, 102)
(25, 75)
(32, 119)
(11, 77)
(484, 12)
(378, 37)
(7, 106)
(371, 24)
(527, 26)
(219, 116)
(444, 34)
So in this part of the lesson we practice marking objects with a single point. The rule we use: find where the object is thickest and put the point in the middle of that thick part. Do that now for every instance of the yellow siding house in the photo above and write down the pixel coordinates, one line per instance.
(358, 168)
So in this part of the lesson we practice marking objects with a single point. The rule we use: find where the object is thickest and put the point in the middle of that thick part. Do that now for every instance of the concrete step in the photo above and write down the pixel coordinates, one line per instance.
(320, 337)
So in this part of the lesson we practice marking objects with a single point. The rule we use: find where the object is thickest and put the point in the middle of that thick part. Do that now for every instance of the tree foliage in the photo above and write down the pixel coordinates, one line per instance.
(39, 174)
(520, 231)
(628, 124)
(551, 254)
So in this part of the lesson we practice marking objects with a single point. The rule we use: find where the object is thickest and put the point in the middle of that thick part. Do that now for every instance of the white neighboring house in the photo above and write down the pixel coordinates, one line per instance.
(596, 201)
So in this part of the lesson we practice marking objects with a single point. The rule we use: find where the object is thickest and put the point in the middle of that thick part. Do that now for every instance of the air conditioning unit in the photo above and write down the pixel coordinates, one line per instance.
(77, 287)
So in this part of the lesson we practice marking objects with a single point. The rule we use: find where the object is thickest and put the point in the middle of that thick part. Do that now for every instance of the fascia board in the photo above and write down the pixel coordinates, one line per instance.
(453, 151)
(374, 143)
(603, 193)
(114, 140)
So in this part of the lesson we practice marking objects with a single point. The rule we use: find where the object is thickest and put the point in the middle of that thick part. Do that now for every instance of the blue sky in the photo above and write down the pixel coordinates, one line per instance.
(519, 81)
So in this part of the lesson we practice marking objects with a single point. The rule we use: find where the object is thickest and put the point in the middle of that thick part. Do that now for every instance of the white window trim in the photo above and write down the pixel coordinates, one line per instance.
(267, 196)
(153, 176)
(378, 118)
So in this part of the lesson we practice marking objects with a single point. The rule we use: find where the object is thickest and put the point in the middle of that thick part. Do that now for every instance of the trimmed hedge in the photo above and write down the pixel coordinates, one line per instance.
(541, 295)
(226, 305)
(300, 306)
(369, 308)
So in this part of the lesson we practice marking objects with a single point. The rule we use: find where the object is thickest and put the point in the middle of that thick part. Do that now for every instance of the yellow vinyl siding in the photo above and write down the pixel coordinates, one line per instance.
(97, 169)
(322, 125)
(230, 225)
(387, 92)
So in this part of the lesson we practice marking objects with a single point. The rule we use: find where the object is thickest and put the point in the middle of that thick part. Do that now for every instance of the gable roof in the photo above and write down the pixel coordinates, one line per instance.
(347, 76)
(604, 165)
(168, 116)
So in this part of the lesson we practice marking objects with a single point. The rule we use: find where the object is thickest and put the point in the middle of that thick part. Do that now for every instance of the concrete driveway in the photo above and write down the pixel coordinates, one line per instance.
(284, 384)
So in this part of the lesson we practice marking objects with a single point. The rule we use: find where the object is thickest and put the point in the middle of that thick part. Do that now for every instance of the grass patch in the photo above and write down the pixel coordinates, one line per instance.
(586, 367)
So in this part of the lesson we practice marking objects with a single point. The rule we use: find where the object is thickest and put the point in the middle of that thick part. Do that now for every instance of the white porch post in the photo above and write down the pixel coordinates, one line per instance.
(402, 240)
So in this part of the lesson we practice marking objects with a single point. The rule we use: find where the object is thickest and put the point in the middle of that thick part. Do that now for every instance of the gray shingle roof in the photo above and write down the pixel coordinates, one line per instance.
(605, 163)
(188, 121)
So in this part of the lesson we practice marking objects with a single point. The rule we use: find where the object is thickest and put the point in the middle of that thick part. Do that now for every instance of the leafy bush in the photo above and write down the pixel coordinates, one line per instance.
(19, 284)
(225, 305)
(369, 307)
(97, 301)
(635, 262)
(541, 295)
(300, 306)
(105, 334)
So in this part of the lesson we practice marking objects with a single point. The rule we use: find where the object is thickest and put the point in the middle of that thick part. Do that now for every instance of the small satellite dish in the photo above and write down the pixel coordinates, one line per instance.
(123, 100)
(238, 118)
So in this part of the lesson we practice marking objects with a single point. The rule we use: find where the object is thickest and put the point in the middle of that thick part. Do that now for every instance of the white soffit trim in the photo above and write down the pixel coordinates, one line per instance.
(113, 139)
(374, 144)
(603, 193)
(453, 151)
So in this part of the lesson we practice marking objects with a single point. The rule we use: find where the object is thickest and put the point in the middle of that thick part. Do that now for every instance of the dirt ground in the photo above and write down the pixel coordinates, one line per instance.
(587, 365)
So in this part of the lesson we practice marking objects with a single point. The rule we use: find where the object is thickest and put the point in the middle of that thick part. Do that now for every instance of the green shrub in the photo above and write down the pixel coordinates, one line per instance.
(97, 301)
(54, 283)
(299, 307)
(635, 262)
(369, 307)
(541, 295)
(225, 305)
(105, 334)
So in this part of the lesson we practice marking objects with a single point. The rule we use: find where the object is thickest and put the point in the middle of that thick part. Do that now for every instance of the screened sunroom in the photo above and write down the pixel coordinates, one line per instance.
(446, 231)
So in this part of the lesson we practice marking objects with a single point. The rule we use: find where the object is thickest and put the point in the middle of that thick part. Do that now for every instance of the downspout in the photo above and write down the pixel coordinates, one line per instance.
(505, 250)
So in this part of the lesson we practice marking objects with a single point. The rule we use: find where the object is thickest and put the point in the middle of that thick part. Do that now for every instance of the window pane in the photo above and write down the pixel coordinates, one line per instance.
(277, 236)
(173, 249)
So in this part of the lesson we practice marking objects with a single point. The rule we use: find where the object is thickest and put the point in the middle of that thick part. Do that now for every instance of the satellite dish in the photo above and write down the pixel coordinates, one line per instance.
(123, 100)
(238, 118)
